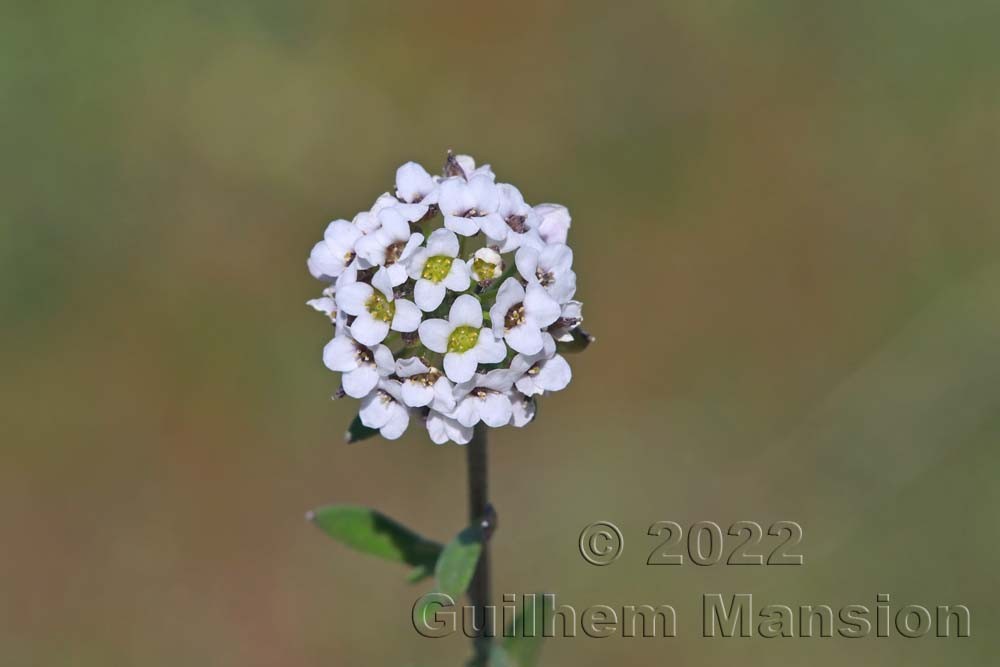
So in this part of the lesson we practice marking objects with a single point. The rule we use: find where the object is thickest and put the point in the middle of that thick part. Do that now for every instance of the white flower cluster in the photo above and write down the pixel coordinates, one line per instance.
(450, 301)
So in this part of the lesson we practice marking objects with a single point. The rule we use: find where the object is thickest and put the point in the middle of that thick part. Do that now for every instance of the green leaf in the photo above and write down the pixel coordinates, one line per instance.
(457, 562)
(374, 533)
(520, 650)
(357, 431)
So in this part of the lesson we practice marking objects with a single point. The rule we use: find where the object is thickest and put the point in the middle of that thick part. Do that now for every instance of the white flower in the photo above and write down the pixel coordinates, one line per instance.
(375, 312)
(523, 409)
(390, 245)
(414, 185)
(443, 428)
(367, 221)
(331, 256)
(485, 265)
(465, 166)
(465, 204)
(361, 366)
(423, 385)
(520, 314)
(514, 224)
(383, 409)
(485, 398)
(553, 222)
(550, 267)
(435, 268)
(541, 372)
(462, 339)
(570, 318)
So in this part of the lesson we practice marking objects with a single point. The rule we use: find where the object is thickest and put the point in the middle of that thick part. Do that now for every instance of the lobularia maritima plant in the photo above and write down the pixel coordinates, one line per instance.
(452, 303)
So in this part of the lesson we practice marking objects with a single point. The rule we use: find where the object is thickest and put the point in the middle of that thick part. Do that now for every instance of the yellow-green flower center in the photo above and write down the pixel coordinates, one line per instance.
(436, 269)
(483, 269)
(463, 339)
(380, 307)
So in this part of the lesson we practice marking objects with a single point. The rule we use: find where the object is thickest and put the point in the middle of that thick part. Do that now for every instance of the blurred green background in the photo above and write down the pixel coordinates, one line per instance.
(786, 232)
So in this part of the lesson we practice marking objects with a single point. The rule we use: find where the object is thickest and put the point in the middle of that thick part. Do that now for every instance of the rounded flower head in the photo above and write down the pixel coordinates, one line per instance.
(452, 303)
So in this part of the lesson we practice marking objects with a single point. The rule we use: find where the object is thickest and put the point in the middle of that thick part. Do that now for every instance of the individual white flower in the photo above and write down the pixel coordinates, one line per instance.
(443, 428)
(523, 409)
(383, 409)
(465, 166)
(361, 366)
(485, 398)
(375, 312)
(485, 265)
(462, 339)
(550, 267)
(553, 222)
(332, 255)
(414, 185)
(541, 372)
(367, 221)
(465, 204)
(519, 315)
(423, 385)
(436, 268)
(514, 224)
(570, 317)
(390, 245)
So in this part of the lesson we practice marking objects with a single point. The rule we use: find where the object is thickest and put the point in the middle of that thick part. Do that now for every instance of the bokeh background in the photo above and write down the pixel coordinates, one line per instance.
(786, 231)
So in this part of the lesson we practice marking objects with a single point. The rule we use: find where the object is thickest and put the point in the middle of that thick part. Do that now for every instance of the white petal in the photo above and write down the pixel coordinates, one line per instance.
(554, 374)
(428, 295)
(371, 248)
(323, 263)
(341, 235)
(394, 225)
(382, 281)
(526, 385)
(557, 258)
(494, 227)
(359, 382)
(410, 366)
(415, 266)
(467, 411)
(443, 428)
(352, 298)
(526, 261)
(462, 226)
(495, 409)
(444, 399)
(442, 242)
(434, 334)
(399, 419)
(540, 308)
(341, 354)
(417, 394)
(383, 360)
(369, 331)
(525, 339)
(413, 212)
(489, 349)
(411, 247)
(375, 409)
(413, 182)
(523, 410)
(407, 317)
(564, 288)
(460, 366)
(499, 379)
(324, 304)
(509, 295)
(454, 196)
(554, 222)
(484, 190)
(466, 311)
(458, 277)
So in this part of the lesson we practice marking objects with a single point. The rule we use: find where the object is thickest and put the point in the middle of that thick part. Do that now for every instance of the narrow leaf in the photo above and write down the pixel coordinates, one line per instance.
(458, 560)
(374, 533)
(357, 431)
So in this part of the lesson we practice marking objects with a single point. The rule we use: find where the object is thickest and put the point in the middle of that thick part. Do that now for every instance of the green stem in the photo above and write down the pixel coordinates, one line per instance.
(479, 589)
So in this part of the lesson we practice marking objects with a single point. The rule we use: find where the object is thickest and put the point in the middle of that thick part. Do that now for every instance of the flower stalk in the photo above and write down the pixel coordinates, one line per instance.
(480, 511)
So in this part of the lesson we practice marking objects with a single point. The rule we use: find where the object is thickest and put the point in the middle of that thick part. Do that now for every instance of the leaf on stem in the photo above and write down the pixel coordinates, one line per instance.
(373, 533)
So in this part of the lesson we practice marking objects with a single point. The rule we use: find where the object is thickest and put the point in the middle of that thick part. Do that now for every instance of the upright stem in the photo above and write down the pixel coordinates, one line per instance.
(479, 589)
